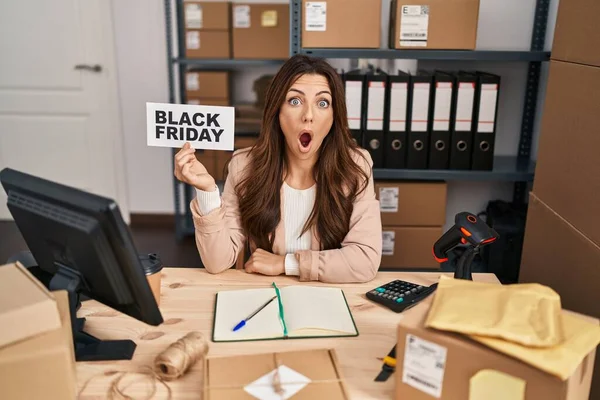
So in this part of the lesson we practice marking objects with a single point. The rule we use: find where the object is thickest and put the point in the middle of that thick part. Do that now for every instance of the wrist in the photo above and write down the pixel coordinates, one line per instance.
(209, 187)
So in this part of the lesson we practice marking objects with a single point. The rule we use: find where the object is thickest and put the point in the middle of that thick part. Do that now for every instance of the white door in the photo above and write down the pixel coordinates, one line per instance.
(57, 120)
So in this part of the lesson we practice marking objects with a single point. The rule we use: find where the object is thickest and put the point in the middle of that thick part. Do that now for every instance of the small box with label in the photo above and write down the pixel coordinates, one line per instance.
(341, 24)
(207, 29)
(261, 31)
(412, 203)
(434, 24)
(435, 364)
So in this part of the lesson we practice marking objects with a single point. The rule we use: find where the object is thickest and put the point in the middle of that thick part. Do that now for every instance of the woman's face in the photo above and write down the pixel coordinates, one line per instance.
(306, 115)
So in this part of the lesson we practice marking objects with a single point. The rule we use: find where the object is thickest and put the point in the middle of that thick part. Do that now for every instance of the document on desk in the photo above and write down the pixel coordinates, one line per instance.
(308, 312)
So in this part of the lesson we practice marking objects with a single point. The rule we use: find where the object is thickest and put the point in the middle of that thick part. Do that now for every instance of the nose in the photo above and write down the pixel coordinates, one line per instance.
(308, 114)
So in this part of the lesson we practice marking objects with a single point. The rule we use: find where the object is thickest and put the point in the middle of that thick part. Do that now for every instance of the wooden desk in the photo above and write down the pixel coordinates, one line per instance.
(187, 304)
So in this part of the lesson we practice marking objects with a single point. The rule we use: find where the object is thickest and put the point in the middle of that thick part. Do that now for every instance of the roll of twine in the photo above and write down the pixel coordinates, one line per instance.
(169, 365)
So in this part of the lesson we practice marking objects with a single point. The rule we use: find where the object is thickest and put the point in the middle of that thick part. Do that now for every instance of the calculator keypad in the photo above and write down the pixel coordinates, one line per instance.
(396, 294)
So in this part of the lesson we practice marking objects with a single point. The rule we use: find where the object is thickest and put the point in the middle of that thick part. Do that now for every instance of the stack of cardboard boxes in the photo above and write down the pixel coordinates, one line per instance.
(413, 215)
(562, 237)
(421, 24)
(242, 31)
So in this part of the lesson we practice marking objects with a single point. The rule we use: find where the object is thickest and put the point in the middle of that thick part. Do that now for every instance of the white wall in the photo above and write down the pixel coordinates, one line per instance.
(142, 64)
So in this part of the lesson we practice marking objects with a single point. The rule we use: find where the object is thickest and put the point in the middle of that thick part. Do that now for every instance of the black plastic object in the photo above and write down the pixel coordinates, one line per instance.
(400, 295)
(82, 241)
(151, 263)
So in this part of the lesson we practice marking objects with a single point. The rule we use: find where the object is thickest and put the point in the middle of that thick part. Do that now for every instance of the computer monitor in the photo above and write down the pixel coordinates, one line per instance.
(81, 239)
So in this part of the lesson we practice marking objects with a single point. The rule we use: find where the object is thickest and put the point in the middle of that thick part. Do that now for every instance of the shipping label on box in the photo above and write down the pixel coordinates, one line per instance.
(388, 199)
(316, 16)
(424, 364)
(193, 16)
(205, 127)
(388, 242)
(241, 16)
(414, 26)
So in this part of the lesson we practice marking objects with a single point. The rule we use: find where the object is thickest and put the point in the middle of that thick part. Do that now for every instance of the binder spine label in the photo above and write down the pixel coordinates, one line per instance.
(414, 26)
(353, 103)
(316, 16)
(376, 106)
(464, 106)
(487, 107)
(420, 107)
(388, 199)
(399, 94)
(389, 238)
(443, 101)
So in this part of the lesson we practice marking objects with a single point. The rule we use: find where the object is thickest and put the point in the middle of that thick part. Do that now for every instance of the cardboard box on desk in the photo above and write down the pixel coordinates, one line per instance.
(341, 24)
(261, 31)
(436, 364)
(231, 378)
(434, 24)
(40, 366)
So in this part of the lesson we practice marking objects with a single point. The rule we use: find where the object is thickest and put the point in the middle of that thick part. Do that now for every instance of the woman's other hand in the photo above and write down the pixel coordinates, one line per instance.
(191, 171)
(265, 263)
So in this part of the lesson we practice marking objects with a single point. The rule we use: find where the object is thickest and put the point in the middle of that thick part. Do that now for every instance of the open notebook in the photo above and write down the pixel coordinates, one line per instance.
(308, 311)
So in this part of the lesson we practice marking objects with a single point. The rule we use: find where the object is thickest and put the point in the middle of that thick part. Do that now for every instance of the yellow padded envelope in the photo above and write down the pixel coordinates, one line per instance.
(579, 335)
(528, 314)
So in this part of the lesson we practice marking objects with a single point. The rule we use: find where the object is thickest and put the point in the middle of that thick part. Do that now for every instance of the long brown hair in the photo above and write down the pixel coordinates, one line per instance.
(339, 179)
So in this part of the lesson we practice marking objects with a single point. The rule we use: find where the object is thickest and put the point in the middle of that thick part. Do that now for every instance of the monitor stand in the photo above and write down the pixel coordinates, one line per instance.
(87, 347)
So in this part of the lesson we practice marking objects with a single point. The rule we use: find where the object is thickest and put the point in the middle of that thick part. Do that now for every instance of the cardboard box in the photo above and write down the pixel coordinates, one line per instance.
(558, 255)
(450, 364)
(215, 161)
(566, 175)
(207, 15)
(226, 377)
(207, 84)
(409, 247)
(412, 203)
(27, 308)
(261, 31)
(434, 24)
(576, 35)
(43, 366)
(207, 44)
(341, 24)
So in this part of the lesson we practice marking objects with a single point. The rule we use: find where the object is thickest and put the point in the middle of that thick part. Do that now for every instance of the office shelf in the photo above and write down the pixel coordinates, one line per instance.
(453, 55)
(506, 168)
(225, 63)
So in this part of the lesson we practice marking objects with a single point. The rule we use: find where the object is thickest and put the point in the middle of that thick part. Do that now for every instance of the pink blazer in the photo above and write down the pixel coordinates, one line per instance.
(220, 237)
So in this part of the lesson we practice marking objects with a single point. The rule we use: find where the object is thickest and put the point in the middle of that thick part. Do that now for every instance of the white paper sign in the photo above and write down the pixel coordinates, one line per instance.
(424, 365)
(205, 127)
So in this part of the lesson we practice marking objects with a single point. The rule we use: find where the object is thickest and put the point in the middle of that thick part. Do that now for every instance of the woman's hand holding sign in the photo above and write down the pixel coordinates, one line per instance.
(191, 171)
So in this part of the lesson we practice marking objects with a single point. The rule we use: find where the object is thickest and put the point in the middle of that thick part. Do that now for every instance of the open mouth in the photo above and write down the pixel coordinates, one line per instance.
(305, 139)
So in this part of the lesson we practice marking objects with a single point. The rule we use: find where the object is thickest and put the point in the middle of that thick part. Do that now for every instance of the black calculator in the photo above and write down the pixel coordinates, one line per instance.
(400, 295)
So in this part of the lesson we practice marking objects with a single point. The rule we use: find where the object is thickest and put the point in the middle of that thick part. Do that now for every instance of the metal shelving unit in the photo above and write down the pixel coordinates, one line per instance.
(520, 168)
(178, 64)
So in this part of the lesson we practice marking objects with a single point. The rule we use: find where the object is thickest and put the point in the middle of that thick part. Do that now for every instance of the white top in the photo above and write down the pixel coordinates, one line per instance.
(297, 207)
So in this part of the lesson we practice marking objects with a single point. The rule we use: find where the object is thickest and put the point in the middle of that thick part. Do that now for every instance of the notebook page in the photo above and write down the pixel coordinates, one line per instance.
(316, 311)
(236, 305)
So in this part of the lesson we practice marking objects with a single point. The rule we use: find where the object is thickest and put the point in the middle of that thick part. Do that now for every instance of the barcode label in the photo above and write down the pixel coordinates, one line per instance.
(316, 16)
(388, 199)
(192, 40)
(389, 237)
(193, 16)
(424, 365)
(241, 17)
(414, 26)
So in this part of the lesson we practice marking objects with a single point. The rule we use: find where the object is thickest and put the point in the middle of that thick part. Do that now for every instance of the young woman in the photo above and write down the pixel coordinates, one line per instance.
(302, 196)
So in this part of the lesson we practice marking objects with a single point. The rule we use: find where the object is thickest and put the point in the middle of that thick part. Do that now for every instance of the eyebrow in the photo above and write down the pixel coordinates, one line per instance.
(302, 93)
